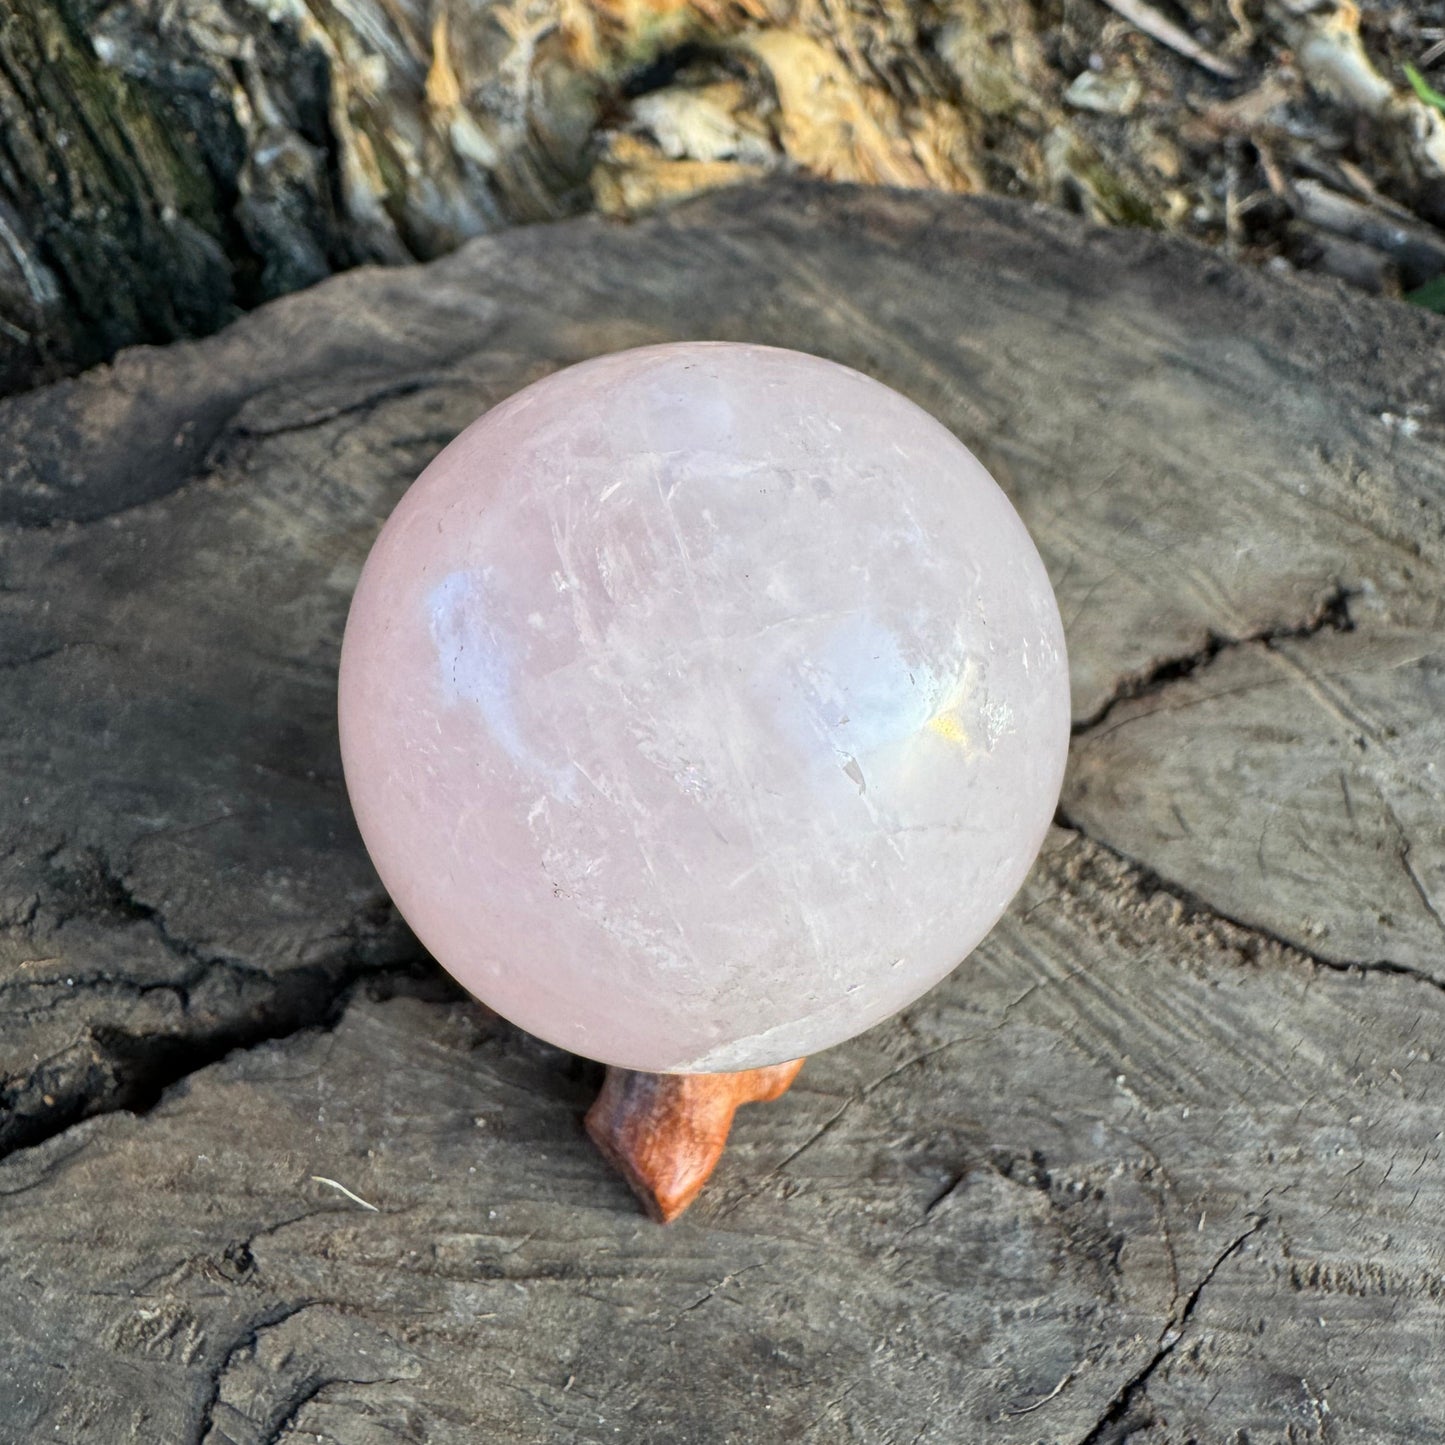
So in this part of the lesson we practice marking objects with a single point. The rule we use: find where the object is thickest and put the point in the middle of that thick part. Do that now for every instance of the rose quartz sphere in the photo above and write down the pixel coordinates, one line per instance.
(702, 705)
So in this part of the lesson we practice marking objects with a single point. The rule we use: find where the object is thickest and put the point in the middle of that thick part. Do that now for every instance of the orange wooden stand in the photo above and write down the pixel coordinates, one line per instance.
(664, 1133)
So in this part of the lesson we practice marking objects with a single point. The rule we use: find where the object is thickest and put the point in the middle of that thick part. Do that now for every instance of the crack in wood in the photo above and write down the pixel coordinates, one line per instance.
(1332, 615)
(132, 1072)
(308, 1391)
(34, 659)
(137, 1071)
(1120, 1418)
(107, 1069)
(1404, 847)
(248, 1339)
(323, 416)
(1198, 908)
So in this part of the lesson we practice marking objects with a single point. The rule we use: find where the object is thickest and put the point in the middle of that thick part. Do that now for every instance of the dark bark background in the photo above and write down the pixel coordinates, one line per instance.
(1160, 1162)
(167, 164)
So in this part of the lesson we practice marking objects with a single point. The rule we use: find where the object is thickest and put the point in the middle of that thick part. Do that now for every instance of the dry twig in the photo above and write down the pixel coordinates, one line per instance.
(1166, 32)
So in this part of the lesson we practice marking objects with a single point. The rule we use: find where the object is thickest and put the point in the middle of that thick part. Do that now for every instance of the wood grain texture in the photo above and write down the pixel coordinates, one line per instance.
(1161, 1162)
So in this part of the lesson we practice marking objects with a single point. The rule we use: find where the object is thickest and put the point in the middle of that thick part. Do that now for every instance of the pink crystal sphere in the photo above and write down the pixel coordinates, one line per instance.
(702, 705)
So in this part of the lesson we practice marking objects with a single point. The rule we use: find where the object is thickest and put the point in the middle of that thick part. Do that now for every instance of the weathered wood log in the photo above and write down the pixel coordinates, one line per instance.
(1162, 1160)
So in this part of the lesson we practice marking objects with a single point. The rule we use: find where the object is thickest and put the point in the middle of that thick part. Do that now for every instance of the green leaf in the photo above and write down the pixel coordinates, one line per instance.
(1424, 89)
(1431, 295)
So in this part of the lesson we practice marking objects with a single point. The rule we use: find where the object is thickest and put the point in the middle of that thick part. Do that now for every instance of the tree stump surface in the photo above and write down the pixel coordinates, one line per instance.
(1161, 1161)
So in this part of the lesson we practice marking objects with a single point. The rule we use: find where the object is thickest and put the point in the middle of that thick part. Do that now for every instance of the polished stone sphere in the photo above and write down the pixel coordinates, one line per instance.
(702, 705)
